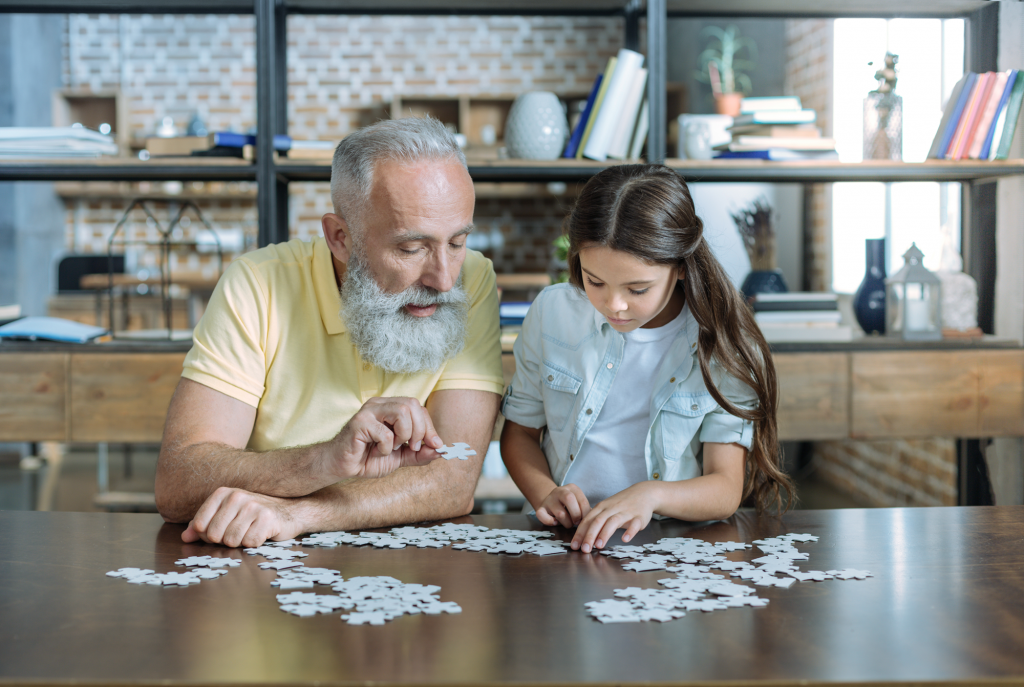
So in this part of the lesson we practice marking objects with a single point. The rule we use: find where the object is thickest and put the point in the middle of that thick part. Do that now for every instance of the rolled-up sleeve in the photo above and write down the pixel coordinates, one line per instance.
(523, 402)
(721, 427)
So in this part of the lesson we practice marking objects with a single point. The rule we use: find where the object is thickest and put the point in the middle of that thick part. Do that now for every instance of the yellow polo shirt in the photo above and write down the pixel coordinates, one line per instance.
(272, 337)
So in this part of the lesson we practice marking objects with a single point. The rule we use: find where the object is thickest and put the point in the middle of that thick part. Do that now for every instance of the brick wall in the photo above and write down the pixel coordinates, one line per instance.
(342, 73)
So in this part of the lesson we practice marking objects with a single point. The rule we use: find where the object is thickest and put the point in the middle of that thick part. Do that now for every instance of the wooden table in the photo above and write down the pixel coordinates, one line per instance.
(946, 604)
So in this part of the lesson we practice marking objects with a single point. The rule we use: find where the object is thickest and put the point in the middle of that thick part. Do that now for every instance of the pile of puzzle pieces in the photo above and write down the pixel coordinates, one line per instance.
(695, 587)
(469, 538)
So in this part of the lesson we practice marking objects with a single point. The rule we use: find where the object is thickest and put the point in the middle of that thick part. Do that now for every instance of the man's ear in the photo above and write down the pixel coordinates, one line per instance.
(338, 236)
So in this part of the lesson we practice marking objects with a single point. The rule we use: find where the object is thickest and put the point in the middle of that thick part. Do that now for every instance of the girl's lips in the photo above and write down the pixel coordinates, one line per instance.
(619, 322)
(421, 310)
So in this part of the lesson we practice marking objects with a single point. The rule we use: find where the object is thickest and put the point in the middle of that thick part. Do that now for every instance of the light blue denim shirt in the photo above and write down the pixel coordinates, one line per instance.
(566, 358)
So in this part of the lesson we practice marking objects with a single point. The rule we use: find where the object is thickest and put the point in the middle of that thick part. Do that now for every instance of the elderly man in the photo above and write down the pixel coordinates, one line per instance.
(324, 374)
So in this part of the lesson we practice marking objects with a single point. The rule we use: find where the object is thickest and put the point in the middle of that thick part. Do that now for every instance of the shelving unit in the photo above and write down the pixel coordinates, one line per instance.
(273, 175)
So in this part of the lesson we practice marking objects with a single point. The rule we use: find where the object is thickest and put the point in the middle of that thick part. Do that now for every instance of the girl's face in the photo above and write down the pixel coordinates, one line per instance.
(629, 292)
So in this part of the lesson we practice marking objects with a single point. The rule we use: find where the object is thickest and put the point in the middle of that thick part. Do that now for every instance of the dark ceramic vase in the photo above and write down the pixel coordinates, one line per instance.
(763, 281)
(869, 300)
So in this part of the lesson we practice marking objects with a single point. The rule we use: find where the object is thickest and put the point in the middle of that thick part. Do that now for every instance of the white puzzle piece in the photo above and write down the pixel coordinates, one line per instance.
(459, 450)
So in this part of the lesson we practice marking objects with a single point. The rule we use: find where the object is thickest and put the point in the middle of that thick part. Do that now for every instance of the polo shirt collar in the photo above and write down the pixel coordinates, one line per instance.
(325, 287)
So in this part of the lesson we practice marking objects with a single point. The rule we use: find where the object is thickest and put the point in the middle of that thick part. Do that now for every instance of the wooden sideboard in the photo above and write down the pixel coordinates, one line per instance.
(118, 392)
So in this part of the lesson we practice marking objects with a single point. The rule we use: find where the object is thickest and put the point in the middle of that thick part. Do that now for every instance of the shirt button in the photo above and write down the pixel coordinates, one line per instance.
(551, 378)
(657, 476)
(590, 411)
(610, 366)
(693, 407)
(672, 381)
(571, 457)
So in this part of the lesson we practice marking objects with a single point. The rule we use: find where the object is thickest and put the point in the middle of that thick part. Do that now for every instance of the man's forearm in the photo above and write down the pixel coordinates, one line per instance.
(187, 475)
(440, 490)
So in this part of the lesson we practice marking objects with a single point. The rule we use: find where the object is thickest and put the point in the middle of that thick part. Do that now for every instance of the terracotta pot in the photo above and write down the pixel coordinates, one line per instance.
(728, 103)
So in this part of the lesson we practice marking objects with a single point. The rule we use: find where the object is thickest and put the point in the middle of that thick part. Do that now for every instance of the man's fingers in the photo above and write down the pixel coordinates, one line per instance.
(239, 526)
(190, 535)
(402, 424)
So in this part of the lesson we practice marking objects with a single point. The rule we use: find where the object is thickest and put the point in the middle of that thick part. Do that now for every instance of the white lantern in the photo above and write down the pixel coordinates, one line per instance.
(913, 300)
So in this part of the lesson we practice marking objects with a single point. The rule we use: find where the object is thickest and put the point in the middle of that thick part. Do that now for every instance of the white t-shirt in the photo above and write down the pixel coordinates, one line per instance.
(612, 455)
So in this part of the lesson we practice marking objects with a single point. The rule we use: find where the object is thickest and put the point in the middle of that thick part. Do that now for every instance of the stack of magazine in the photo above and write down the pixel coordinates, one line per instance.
(801, 316)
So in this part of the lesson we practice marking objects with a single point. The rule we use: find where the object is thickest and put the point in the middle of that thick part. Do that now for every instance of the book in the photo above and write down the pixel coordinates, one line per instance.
(577, 134)
(9, 312)
(988, 113)
(778, 154)
(627, 70)
(512, 312)
(605, 79)
(988, 150)
(179, 145)
(776, 117)
(966, 118)
(50, 329)
(954, 96)
(799, 317)
(775, 333)
(761, 142)
(780, 131)
(760, 104)
(1012, 114)
(618, 149)
(971, 129)
(282, 142)
(643, 123)
(954, 120)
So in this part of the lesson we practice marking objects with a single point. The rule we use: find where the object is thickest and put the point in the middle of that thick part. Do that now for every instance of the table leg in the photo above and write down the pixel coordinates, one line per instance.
(103, 467)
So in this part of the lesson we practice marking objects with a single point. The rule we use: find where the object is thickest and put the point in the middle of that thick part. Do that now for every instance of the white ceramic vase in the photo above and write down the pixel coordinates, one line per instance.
(536, 127)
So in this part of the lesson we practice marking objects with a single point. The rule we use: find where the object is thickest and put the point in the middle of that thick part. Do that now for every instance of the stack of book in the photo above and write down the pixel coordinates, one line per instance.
(980, 117)
(615, 120)
(54, 142)
(800, 316)
(231, 144)
(777, 129)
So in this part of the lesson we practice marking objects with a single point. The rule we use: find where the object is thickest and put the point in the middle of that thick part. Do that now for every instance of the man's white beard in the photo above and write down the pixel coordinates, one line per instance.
(386, 335)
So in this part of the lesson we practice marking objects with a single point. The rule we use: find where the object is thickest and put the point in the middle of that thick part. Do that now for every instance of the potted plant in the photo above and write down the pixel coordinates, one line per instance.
(724, 69)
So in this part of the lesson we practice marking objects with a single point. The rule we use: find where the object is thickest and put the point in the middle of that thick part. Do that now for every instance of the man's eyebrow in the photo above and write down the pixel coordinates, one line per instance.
(419, 236)
(635, 282)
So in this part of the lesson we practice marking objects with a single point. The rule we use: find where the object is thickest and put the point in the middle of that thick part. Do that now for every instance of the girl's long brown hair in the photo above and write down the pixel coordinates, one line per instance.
(647, 211)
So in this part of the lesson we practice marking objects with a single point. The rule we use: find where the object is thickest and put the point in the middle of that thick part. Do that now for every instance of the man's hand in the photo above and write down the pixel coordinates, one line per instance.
(386, 434)
(631, 509)
(565, 506)
(235, 517)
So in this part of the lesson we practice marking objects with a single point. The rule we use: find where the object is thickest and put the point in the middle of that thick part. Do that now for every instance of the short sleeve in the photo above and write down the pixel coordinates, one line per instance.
(721, 427)
(478, 367)
(524, 402)
(229, 342)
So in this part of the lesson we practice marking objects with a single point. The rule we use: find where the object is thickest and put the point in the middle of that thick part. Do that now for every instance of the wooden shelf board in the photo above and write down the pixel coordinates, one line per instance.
(816, 171)
(515, 7)
(117, 190)
(128, 169)
(790, 9)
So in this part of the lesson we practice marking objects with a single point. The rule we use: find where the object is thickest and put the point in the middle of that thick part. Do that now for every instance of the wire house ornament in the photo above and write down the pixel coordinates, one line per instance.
(166, 244)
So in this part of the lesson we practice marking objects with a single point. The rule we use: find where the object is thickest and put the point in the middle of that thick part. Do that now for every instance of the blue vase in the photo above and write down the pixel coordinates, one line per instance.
(869, 300)
(763, 281)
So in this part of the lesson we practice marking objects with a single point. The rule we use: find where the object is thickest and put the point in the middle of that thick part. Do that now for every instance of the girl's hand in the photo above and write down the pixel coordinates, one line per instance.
(631, 509)
(565, 506)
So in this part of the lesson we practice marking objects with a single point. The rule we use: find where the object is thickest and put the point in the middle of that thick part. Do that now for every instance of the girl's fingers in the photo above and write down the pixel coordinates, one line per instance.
(545, 517)
(634, 526)
(608, 531)
(572, 506)
(588, 530)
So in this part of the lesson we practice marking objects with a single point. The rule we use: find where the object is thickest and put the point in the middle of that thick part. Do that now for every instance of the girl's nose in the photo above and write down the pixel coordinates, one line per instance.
(617, 303)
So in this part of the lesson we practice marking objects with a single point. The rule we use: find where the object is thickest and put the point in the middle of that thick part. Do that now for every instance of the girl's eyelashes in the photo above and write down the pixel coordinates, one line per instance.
(640, 292)
(594, 283)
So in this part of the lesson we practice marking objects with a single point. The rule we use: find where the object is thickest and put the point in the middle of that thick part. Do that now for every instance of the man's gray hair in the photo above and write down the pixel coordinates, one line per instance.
(401, 140)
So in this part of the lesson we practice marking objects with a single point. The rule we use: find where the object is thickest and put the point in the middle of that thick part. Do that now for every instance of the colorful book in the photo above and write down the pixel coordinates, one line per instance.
(230, 139)
(760, 104)
(761, 142)
(954, 96)
(958, 105)
(966, 118)
(777, 154)
(776, 117)
(619, 147)
(627, 70)
(988, 150)
(971, 130)
(577, 134)
(643, 123)
(988, 115)
(781, 131)
(1012, 115)
(605, 79)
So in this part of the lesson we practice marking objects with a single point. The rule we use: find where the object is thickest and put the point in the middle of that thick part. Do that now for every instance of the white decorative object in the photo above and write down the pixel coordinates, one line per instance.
(959, 290)
(536, 127)
(697, 136)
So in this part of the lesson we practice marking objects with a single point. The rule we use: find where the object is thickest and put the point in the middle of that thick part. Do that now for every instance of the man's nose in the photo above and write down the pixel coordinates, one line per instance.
(437, 273)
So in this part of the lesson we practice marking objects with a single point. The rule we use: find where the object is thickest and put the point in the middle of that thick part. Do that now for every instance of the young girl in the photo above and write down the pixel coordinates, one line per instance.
(643, 387)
